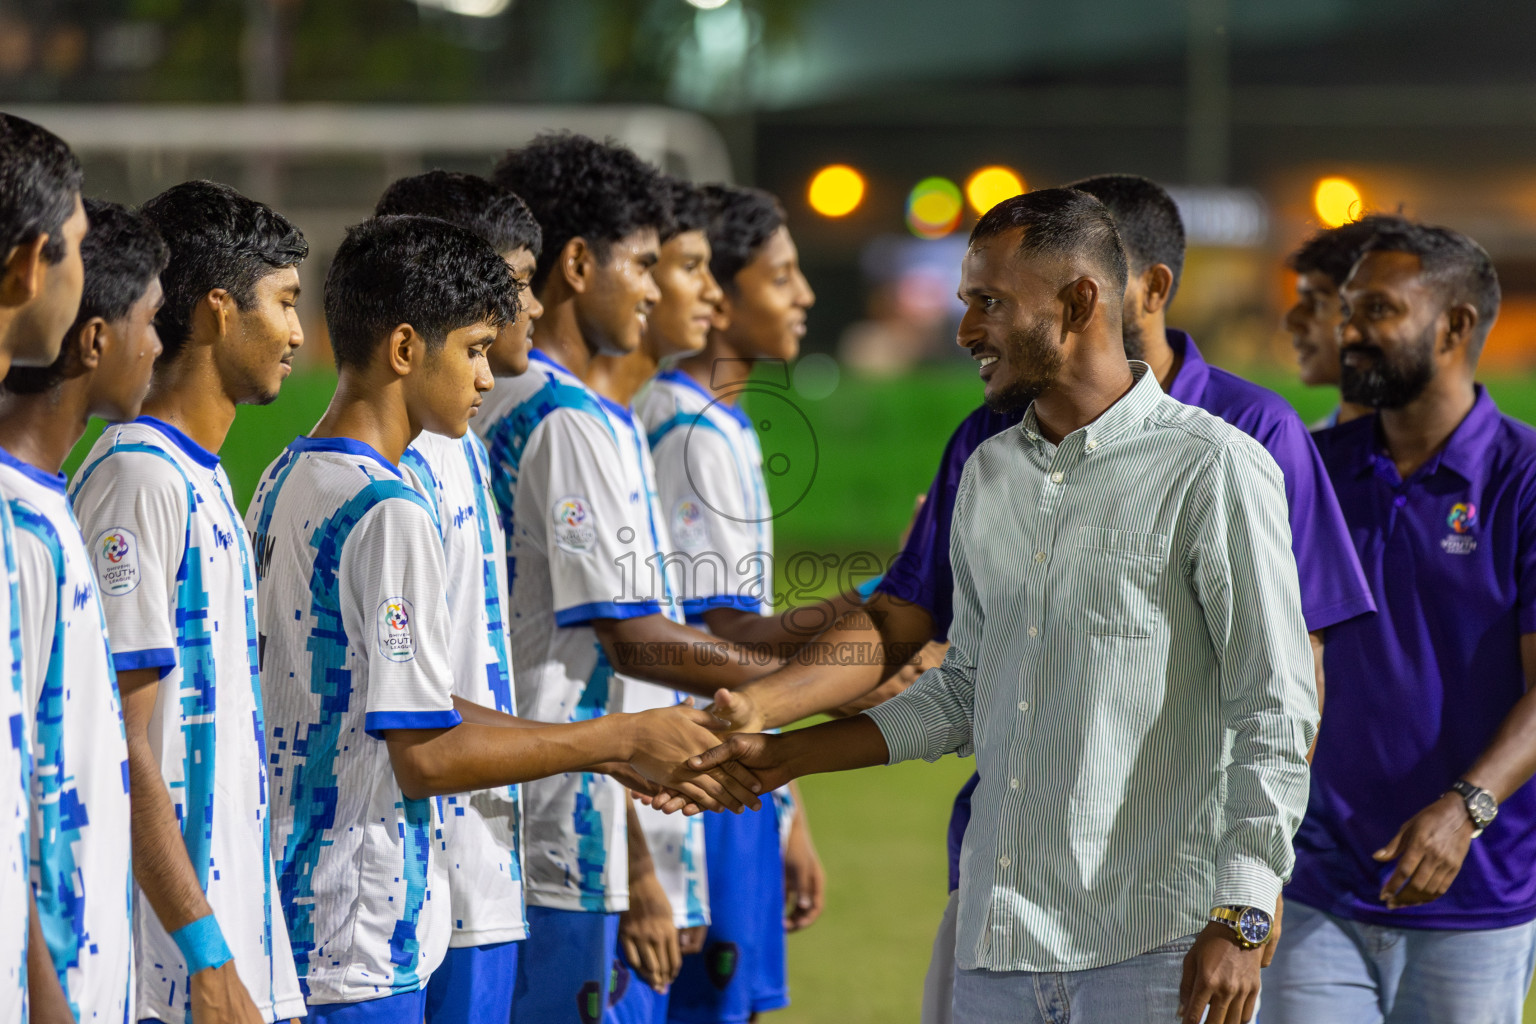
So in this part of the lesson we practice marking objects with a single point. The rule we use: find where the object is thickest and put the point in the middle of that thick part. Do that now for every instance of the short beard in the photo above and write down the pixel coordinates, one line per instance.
(1389, 383)
(1135, 340)
(1033, 353)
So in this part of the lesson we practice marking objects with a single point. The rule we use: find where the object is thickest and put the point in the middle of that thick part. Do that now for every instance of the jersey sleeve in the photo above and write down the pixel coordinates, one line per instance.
(594, 527)
(133, 514)
(704, 498)
(1333, 586)
(395, 609)
(37, 590)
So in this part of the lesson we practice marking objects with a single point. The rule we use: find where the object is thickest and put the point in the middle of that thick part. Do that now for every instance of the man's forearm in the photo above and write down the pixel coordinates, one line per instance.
(49, 1005)
(864, 649)
(658, 650)
(789, 628)
(475, 755)
(839, 746)
(1509, 761)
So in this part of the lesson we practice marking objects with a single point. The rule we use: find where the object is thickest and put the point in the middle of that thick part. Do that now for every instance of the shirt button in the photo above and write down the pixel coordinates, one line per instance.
(1056, 478)
(1039, 556)
(1023, 705)
(1091, 445)
(1013, 783)
(1033, 631)
(1400, 501)
(1004, 861)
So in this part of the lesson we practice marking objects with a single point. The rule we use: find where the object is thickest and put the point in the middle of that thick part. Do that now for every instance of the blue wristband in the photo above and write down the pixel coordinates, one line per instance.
(867, 588)
(202, 944)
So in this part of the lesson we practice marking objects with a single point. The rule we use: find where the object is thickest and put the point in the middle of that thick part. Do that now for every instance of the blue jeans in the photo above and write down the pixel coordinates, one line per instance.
(1141, 990)
(1331, 970)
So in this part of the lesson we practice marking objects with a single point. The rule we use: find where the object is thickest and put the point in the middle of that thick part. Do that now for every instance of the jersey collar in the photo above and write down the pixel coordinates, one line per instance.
(53, 481)
(344, 446)
(683, 380)
(194, 451)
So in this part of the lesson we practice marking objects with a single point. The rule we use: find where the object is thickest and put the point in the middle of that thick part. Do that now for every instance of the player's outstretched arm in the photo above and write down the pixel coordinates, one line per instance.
(491, 749)
(776, 760)
(658, 650)
(864, 649)
(785, 631)
(160, 862)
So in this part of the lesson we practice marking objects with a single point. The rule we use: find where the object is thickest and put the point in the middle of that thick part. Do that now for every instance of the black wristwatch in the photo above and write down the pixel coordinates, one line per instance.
(1482, 808)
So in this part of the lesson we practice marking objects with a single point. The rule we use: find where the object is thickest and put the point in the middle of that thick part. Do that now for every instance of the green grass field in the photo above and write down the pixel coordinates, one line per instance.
(880, 831)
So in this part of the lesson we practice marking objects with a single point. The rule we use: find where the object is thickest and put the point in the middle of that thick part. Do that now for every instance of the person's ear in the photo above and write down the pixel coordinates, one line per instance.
(1156, 288)
(576, 264)
(1460, 324)
(1082, 298)
(21, 279)
(404, 350)
(219, 305)
(91, 344)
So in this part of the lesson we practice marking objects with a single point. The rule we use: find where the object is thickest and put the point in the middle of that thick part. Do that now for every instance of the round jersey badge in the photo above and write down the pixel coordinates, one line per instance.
(116, 556)
(573, 524)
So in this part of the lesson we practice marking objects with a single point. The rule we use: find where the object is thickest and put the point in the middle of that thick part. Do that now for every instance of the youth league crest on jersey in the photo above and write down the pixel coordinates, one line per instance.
(397, 640)
(117, 561)
(689, 528)
(1461, 519)
(573, 524)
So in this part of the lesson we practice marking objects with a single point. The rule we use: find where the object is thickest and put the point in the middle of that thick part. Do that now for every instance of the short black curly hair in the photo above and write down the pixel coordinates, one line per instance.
(741, 220)
(578, 187)
(422, 271)
(470, 201)
(218, 239)
(1333, 252)
(123, 254)
(39, 180)
(686, 206)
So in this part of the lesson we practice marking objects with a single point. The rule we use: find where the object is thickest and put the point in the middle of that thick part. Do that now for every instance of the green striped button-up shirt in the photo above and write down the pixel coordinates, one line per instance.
(1129, 664)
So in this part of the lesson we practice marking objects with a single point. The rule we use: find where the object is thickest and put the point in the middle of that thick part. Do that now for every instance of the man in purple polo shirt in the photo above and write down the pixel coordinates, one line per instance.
(1401, 908)
(912, 603)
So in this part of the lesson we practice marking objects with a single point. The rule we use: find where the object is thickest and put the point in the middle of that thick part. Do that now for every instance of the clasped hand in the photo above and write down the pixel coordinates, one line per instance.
(662, 740)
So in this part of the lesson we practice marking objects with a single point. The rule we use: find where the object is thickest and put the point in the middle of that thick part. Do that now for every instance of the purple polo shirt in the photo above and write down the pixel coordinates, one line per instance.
(1417, 691)
(1333, 587)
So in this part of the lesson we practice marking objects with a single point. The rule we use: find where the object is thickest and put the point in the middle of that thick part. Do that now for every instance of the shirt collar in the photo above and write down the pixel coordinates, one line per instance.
(53, 481)
(1188, 385)
(548, 360)
(1116, 421)
(684, 380)
(194, 451)
(1464, 453)
(344, 445)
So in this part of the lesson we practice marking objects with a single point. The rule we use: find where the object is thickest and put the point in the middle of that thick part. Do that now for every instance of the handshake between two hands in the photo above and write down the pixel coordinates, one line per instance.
(689, 759)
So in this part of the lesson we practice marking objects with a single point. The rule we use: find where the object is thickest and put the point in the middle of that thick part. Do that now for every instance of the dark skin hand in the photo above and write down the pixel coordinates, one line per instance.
(646, 932)
(1220, 977)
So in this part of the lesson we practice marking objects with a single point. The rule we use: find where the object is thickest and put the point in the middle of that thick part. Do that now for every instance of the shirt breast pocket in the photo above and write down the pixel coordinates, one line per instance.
(1117, 577)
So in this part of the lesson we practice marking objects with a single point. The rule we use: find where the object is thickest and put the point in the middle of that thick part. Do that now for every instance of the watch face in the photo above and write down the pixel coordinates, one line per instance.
(1254, 926)
(1483, 808)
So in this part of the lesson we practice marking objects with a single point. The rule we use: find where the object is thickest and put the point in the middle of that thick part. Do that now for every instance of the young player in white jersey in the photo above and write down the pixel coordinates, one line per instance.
(585, 605)
(668, 904)
(710, 469)
(481, 830)
(178, 589)
(356, 665)
(41, 225)
(81, 880)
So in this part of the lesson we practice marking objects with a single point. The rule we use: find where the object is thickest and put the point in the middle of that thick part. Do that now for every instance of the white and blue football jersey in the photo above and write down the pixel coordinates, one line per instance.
(15, 786)
(481, 829)
(676, 842)
(178, 590)
(709, 471)
(354, 642)
(572, 503)
(80, 814)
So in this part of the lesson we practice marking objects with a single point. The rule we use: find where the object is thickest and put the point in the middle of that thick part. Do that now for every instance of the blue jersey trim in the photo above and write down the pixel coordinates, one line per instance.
(343, 445)
(194, 451)
(154, 657)
(376, 722)
(695, 607)
(627, 415)
(52, 481)
(584, 613)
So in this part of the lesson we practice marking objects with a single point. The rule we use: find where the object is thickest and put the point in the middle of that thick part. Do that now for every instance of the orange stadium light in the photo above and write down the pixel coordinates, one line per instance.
(836, 191)
(990, 186)
(1337, 201)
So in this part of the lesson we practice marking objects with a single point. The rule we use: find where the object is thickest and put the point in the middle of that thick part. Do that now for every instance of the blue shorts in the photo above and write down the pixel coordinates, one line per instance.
(473, 985)
(568, 967)
(742, 968)
(406, 1008)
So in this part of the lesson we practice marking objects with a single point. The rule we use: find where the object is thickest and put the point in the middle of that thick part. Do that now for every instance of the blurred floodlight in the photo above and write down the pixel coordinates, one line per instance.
(990, 186)
(1337, 201)
(708, 5)
(836, 190)
(468, 8)
(934, 207)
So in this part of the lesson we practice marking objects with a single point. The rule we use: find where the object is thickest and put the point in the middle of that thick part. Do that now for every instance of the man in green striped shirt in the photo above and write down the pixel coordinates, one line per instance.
(1125, 597)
